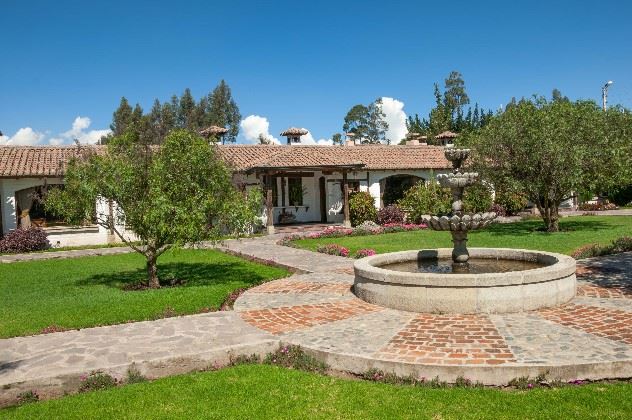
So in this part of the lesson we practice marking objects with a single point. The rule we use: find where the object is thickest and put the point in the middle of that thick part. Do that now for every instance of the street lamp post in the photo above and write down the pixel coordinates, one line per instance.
(604, 94)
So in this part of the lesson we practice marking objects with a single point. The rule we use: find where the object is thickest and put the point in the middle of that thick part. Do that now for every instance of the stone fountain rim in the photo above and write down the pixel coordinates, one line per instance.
(560, 266)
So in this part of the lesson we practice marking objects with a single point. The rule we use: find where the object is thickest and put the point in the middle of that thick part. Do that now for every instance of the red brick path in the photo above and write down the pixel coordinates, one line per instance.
(295, 286)
(448, 340)
(609, 323)
(290, 318)
(590, 290)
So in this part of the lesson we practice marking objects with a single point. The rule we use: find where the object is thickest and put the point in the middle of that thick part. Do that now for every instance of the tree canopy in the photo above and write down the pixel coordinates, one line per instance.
(216, 108)
(176, 194)
(448, 112)
(549, 150)
(367, 123)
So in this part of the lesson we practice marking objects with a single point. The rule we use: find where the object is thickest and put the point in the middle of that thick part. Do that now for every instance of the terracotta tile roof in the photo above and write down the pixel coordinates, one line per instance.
(245, 157)
(293, 131)
(212, 130)
(26, 161)
(446, 135)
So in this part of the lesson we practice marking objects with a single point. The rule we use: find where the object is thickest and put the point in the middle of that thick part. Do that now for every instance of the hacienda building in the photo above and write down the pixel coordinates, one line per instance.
(302, 184)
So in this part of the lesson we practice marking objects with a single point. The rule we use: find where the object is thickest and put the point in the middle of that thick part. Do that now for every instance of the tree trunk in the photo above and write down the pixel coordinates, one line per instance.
(152, 271)
(551, 217)
(553, 224)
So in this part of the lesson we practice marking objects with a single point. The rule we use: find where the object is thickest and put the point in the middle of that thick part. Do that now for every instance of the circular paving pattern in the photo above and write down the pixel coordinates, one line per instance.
(589, 338)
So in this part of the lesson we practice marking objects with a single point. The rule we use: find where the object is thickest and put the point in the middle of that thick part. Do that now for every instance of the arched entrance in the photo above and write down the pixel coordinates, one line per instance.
(392, 188)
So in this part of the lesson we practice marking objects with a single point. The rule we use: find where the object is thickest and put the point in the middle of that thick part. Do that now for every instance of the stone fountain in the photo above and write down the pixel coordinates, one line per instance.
(462, 280)
(459, 223)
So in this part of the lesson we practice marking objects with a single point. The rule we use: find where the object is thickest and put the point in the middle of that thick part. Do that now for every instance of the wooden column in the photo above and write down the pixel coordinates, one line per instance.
(345, 199)
(269, 204)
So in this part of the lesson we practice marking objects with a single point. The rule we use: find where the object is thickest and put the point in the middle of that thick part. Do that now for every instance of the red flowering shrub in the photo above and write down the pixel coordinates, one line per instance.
(390, 214)
(24, 240)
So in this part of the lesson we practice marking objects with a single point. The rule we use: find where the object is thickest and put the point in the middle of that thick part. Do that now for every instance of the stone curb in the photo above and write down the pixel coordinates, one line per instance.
(60, 385)
(488, 375)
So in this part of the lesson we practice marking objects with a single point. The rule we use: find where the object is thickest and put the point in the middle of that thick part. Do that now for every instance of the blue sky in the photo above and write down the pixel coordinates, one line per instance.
(298, 63)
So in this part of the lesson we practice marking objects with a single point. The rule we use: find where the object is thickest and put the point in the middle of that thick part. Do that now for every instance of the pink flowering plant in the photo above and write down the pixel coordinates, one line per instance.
(361, 253)
(333, 249)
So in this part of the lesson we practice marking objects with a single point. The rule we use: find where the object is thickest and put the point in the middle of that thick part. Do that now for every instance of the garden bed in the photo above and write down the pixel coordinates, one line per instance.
(577, 232)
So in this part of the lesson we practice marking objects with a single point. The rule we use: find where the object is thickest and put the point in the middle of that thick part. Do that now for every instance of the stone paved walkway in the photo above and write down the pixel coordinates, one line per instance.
(591, 337)
(74, 253)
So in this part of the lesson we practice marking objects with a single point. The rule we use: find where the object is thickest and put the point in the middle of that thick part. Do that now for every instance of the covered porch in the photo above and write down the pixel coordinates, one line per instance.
(304, 198)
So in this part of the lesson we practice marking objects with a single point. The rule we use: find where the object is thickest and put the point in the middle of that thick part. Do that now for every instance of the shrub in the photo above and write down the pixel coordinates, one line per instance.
(27, 397)
(333, 249)
(425, 199)
(477, 198)
(390, 214)
(134, 376)
(368, 228)
(512, 201)
(596, 206)
(294, 357)
(587, 251)
(622, 244)
(361, 253)
(622, 197)
(97, 380)
(361, 208)
(24, 240)
(498, 209)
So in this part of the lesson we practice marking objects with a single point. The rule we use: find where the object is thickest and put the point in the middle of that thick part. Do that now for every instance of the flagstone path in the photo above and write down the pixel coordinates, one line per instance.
(591, 337)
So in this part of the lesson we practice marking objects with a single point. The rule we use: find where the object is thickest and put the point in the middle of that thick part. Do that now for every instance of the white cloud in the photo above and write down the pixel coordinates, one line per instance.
(253, 126)
(396, 119)
(23, 137)
(309, 139)
(29, 137)
(78, 131)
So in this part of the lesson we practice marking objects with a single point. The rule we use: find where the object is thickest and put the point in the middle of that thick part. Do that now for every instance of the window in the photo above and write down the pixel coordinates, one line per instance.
(354, 186)
(295, 191)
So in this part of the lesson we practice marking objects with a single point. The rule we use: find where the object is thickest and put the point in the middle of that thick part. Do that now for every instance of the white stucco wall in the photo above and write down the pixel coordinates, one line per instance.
(308, 212)
(58, 236)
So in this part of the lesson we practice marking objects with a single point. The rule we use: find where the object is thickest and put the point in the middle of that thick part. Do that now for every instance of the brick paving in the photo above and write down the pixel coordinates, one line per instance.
(315, 308)
(319, 311)
(298, 286)
(595, 291)
(450, 340)
(289, 318)
(613, 324)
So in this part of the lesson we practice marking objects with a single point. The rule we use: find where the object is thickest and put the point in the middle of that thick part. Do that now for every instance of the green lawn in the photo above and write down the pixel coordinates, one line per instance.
(580, 230)
(85, 292)
(262, 391)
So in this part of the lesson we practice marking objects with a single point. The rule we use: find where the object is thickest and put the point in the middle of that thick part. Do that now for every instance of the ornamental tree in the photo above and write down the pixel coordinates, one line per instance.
(552, 150)
(177, 194)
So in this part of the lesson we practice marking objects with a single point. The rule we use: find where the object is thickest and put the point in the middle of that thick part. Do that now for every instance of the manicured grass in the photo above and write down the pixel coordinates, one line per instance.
(579, 231)
(85, 292)
(260, 391)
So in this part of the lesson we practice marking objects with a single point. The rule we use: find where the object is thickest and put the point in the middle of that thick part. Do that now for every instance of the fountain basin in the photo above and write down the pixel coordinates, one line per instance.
(552, 283)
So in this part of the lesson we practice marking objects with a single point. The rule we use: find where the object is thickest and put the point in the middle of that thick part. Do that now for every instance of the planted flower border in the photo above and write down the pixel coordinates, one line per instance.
(365, 229)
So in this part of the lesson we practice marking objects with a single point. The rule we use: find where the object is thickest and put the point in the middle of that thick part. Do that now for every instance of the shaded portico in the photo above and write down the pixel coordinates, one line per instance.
(285, 189)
